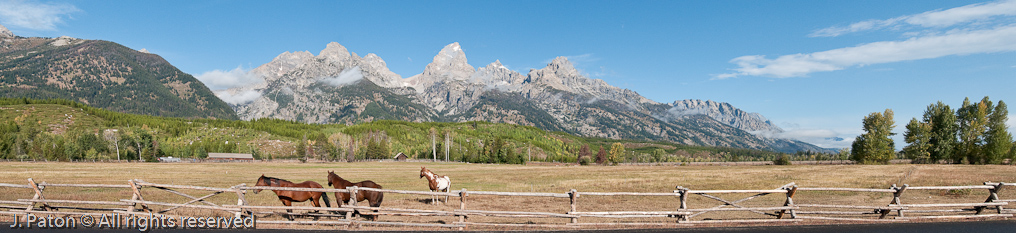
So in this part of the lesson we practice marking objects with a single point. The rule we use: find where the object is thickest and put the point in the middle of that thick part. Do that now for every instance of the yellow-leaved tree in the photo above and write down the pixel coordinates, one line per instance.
(616, 153)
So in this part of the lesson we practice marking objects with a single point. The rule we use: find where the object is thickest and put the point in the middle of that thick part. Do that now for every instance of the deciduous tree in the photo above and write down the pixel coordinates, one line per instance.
(918, 136)
(942, 140)
(875, 145)
(616, 153)
(973, 122)
(998, 140)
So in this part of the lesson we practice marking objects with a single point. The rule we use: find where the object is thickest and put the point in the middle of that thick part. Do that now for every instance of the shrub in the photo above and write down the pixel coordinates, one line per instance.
(782, 159)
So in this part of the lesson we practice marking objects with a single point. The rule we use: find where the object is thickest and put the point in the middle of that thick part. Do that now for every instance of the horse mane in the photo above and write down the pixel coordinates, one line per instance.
(331, 173)
(275, 180)
(428, 171)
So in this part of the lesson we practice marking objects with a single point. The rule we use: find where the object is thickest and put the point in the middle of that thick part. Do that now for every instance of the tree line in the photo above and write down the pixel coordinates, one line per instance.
(99, 134)
(974, 133)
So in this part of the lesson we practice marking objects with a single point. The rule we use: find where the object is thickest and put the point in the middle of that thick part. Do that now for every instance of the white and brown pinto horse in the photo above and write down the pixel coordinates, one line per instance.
(437, 182)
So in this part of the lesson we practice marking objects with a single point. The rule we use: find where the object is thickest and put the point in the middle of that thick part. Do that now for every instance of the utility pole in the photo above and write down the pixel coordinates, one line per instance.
(433, 143)
(447, 144)
(529, 150)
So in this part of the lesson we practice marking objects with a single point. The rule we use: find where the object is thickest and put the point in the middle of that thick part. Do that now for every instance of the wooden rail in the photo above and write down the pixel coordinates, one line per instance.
(768, 212)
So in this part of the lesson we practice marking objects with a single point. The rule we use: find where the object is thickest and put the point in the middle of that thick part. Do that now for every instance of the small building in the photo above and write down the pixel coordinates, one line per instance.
(169, 159)
(230, 157)
(401, 157)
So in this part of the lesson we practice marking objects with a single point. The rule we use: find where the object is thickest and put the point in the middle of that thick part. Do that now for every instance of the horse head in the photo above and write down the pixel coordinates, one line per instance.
(261, 182)
(330, 178)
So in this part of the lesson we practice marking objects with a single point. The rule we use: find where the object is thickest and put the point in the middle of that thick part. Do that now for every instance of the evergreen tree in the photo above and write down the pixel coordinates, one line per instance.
(943, 131)
(998, 141)
(875, 145)
(917, 136)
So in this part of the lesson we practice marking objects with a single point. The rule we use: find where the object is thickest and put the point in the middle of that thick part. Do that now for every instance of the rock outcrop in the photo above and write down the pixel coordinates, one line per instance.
(4, 33)
(724, 113)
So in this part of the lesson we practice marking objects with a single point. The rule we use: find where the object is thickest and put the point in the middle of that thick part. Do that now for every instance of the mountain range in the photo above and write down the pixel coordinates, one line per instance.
(337, 86)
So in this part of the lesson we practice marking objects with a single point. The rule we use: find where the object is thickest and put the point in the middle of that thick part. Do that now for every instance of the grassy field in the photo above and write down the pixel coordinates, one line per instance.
(520, 178)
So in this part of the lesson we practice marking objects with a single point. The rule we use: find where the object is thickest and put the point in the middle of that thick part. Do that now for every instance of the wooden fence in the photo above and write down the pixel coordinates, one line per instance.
(789, 209)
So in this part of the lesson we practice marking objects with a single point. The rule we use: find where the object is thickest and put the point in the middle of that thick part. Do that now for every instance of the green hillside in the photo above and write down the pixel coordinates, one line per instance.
(67, 130)
(105, 75)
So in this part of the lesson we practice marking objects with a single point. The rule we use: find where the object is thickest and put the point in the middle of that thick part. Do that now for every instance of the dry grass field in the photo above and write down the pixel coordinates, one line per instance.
(516, 178)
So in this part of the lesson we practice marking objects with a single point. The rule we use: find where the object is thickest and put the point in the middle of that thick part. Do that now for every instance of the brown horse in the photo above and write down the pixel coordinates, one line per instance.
(288, 197)
(373, 197)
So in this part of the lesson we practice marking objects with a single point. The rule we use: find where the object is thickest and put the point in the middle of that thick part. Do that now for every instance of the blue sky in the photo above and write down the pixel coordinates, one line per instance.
(815, 68)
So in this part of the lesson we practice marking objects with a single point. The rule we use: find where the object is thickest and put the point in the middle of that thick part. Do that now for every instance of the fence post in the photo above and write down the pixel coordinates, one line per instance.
(573, 195)
(38, 196)
(790, 202)
(241, 200)
(352, 201)
(462, 206)
(896, 200)
(992, 197)
(136, 197)
(684, 201)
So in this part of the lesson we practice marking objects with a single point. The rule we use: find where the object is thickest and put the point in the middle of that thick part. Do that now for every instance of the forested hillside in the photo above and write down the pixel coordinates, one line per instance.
(68, 130)
(105, 75)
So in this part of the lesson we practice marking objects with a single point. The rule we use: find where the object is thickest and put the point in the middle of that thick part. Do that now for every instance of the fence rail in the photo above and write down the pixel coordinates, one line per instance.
(767, 212)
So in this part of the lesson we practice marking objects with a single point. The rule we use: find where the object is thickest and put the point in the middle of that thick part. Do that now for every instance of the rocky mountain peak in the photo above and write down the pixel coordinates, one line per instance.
(559, 74)
(496, 75)
(450, 63)
(334, 52)
(497, 64)
(379, 73)
(725, 113)
(4, 33)
(562, 67)
(284, 63)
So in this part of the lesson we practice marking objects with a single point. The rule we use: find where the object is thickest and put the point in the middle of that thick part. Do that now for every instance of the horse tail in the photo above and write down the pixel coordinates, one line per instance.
(324, 196)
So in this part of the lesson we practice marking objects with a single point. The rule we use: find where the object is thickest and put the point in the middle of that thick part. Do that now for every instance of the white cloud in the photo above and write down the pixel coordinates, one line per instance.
(1011, 123)
(242, 97)
(971, 29)
(347, 76)
(937, 18)
(220, 80)
(955, 42)
(820, 137)
(34, 15)
(854, 27)
(809, 133)
(964, 14)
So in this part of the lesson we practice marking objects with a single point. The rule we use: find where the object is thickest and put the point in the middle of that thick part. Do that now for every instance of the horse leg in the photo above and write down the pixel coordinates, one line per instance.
(341, 199)
(314, 200)
(447, 191)
(289, 212)
(375, 201)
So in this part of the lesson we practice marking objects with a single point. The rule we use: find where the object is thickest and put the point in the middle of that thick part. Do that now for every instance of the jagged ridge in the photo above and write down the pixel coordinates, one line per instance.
(556, 97)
